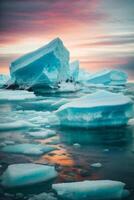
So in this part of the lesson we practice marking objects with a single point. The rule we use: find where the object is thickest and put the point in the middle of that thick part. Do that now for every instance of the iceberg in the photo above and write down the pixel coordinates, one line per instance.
(108, 77)
(94, 190)
(74, 70)
(3, 79)
(25, 174)
(98, 109)
(28, 149)
(44, 67)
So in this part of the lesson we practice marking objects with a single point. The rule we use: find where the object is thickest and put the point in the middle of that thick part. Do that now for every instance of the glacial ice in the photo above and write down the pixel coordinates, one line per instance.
(3, 79)
(93, 190)
(101, 108)
(46, 133)
(28, 149)
(46, 66)
(25, 174)
(108, 77)
(74, 70)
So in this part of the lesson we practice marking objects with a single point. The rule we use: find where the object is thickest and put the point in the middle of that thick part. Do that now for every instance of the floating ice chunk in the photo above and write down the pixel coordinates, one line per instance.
(46, 66)
(108, 77)
(28, 149)
(3, 79)
(15, 95)
(46, 133)
(25, 174)
(101, 108)
(74, 70)
(96, 165)
(98, 189)
(20, 124)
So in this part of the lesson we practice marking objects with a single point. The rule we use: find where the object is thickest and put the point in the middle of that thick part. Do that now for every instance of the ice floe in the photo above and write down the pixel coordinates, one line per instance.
(94, 190)
(25, 174)
(28, 149)
(46, 133)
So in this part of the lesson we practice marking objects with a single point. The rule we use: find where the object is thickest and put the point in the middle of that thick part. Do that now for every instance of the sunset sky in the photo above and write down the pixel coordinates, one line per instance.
(99, 33)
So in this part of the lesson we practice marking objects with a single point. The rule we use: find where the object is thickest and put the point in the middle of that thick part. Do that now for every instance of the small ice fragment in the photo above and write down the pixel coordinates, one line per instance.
(96, 165)
(77, 145)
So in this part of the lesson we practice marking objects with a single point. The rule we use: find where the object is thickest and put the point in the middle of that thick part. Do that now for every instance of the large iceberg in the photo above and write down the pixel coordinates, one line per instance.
(25, 174)
(3, 79)
(108, 77)
(101, 108)
(74, 70)
(44, 67)
(94, 190)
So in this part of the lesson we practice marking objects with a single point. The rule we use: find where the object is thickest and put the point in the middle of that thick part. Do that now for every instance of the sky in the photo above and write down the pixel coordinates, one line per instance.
(98, 33)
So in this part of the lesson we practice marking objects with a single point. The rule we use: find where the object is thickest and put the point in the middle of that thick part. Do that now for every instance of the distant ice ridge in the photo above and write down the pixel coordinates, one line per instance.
(108, 77)
(46, 66)
(26, 174)
(101, 108)
(3, 79)
(94, 190)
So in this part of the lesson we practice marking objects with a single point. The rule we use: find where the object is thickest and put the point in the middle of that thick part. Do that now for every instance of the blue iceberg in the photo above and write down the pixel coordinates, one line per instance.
(26, 174)
(44, 67)
(101, 108)
(108, 77)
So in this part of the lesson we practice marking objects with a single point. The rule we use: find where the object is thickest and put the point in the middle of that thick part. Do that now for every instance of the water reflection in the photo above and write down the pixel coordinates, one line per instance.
(113, 136)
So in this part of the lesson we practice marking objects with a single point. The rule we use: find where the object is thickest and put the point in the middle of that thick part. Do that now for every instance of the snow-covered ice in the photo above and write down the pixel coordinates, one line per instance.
(74, 70)
(28, 149)
(45, 66)
(101, 108)
(108, 77)
(25, 174)
(94, 190)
